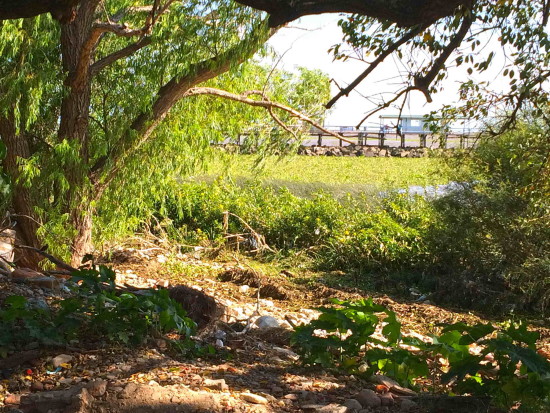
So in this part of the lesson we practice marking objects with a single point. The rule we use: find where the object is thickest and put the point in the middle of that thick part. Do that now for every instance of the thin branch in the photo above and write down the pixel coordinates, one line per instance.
(120, 30)
(388, 51)
(266, 104)
(386, 105)
(119, 54)
(125, 11)
(270, 110)
(168, 95)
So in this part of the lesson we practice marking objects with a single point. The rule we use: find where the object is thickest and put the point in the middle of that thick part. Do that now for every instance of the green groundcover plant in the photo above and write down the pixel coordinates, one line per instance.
(96, 312)
(504, 365)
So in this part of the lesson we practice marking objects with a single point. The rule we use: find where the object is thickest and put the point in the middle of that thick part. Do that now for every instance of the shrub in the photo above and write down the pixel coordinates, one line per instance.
(95, 312)
(497, 230)
(490, 237)
(506, 365)
(387, 239)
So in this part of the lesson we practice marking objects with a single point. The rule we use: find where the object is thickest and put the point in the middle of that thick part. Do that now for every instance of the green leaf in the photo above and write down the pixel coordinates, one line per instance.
(16, 302)
(392, 330)
(460, 368)
(518, 332)
(528, 357)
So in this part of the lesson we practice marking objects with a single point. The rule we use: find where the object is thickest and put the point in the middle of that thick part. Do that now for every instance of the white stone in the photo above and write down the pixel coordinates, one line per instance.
(254, 398)
(286, 352)
(267, 303)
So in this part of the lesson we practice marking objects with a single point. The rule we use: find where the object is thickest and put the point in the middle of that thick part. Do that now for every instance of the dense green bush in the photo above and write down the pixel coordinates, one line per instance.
(386, 239)
(497, 229)
(96, 311)
(286, 221)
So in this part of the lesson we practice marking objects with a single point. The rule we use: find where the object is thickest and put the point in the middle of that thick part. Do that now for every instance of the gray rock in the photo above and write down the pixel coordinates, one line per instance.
(216, 384)
(37, 303)
(407, 405)
(97, 388)
(353, 405)
(330, 408)
(386, 399)
(220, 335)
(368, 398)
(385, 380)
(129, 391)
(267, 321)
(286, 352)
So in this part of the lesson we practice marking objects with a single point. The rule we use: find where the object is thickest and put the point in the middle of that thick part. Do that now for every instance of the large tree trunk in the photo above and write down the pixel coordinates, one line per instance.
(81, 219)
(76, 49)
(27, 222)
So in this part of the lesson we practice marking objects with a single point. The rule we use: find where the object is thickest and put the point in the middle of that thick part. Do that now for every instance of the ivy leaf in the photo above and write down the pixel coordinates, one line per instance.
(16, 302)
(528, 357)
(392, 330)
(460, 368)
(521, 334)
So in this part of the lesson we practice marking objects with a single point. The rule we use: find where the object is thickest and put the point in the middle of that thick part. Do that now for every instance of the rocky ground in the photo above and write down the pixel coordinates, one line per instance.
(254, 368)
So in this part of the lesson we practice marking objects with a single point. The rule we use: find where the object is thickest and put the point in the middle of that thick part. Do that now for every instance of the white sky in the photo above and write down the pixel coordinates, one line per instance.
(310, 47)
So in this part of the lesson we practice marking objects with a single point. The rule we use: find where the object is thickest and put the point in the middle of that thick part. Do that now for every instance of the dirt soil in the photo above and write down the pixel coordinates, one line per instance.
(253, 370)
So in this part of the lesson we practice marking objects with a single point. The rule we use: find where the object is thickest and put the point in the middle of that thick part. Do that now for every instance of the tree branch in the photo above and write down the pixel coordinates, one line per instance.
(168, 95)
(61, 10)
(423, 83)
(387, 104)
(120, 30)
(264, 103)
(388, 51)
(405, 13)
(119, 54)
(50, 257)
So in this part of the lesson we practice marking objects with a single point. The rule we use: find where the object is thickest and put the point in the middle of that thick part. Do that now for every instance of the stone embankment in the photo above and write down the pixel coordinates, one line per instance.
(370, 151)
(354, 150)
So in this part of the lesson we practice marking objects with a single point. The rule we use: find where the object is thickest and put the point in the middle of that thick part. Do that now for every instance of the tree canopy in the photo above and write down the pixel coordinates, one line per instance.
(90, 106)
(85, 91)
